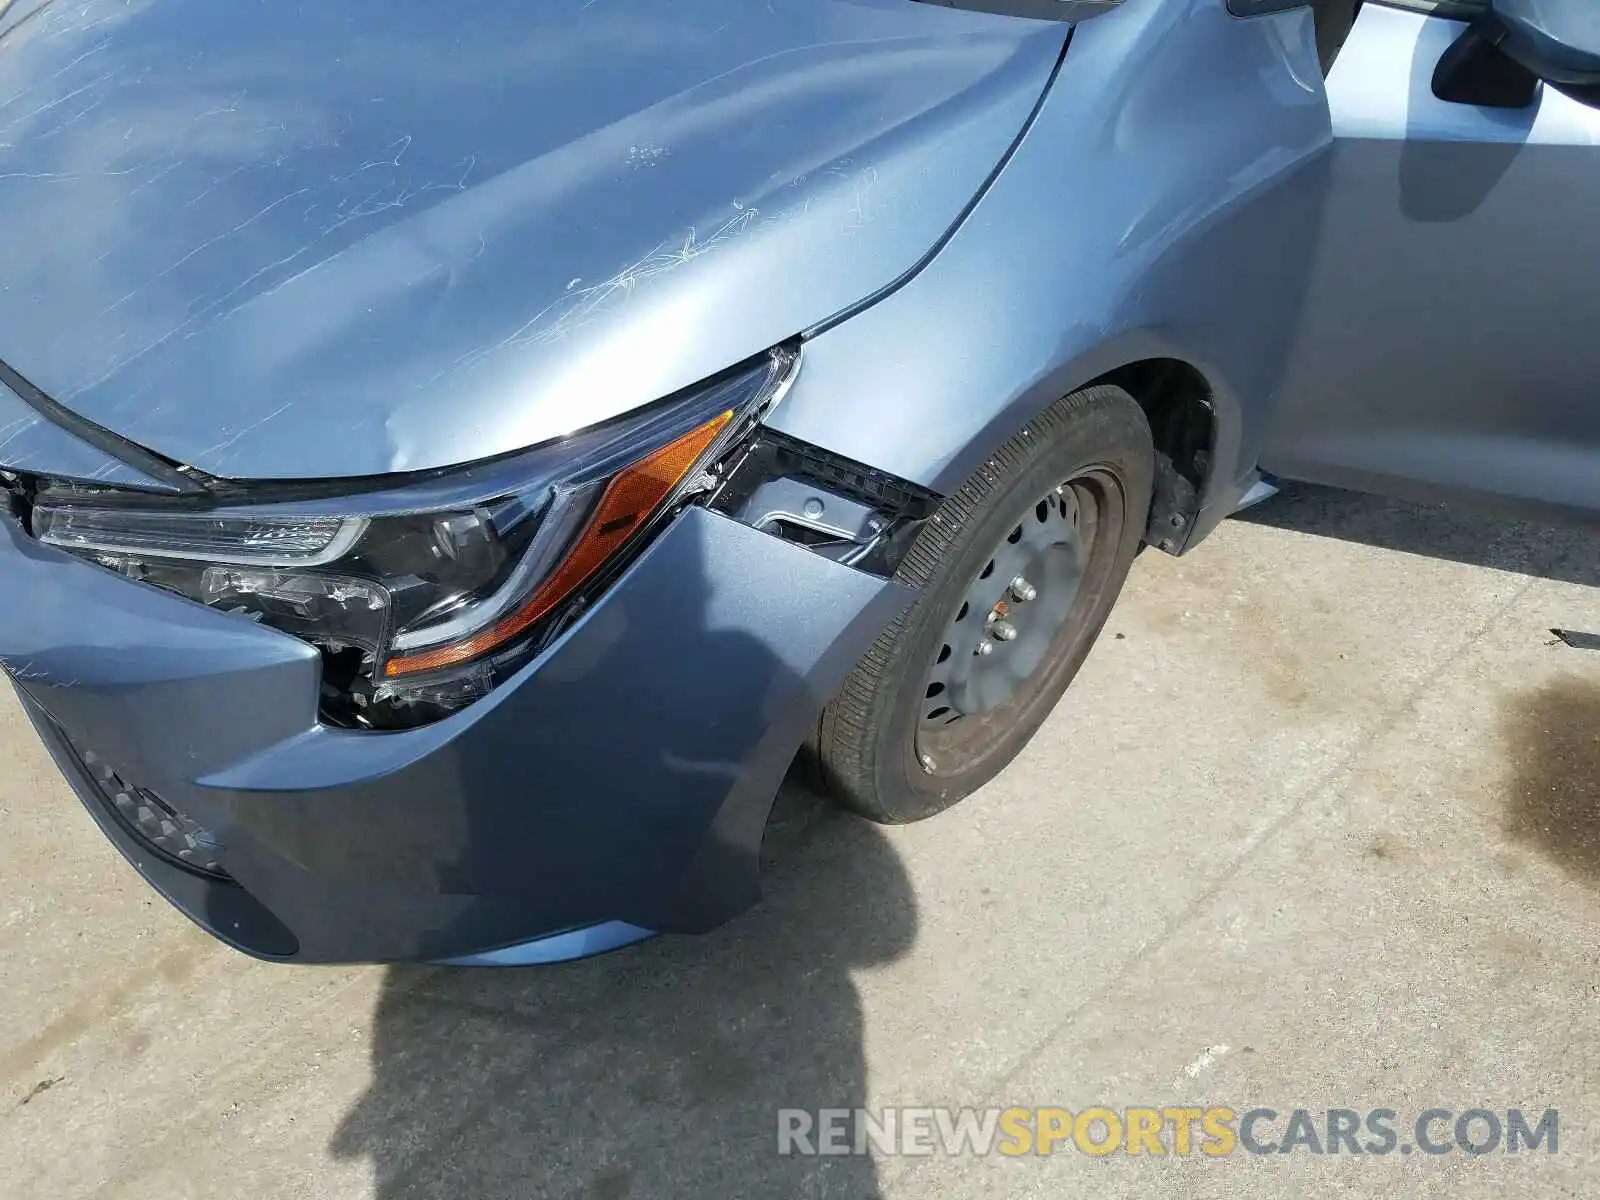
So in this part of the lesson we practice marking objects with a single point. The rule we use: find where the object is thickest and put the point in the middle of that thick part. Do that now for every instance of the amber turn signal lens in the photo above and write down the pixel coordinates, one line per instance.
(630, 499)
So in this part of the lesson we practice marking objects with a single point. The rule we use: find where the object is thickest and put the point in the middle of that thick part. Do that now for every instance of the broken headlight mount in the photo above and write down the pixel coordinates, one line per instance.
(13, 496)
(425, 593)
(834, 506)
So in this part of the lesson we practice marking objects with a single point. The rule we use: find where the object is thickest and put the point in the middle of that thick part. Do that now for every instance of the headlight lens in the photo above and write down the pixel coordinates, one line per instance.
(419, 613)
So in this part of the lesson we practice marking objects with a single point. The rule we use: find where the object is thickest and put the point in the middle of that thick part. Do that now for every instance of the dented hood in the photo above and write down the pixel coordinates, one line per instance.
(275, 240)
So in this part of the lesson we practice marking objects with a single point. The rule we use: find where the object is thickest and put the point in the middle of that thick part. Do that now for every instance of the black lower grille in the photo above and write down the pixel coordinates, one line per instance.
(169, 832)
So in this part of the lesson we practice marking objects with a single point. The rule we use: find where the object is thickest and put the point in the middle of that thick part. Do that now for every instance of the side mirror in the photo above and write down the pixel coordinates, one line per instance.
(1558, 40)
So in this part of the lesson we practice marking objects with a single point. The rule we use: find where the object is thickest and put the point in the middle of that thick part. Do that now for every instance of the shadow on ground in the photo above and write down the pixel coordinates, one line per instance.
(655, 1071)
(1562, 552)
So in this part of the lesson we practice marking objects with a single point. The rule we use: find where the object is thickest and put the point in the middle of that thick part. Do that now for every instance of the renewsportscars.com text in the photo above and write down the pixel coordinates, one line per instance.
(1216, 1131)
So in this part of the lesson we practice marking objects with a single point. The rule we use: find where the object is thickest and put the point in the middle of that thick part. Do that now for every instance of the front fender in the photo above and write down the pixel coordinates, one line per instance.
(1163, 205)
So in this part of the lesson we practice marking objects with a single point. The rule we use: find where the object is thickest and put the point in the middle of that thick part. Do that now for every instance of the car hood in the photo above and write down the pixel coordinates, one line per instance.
(274, 240)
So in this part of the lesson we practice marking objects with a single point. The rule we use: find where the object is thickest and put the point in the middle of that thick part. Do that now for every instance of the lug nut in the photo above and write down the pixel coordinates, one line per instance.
(1022, 589)
(1003, 631)
(927, 764)
(985, 648)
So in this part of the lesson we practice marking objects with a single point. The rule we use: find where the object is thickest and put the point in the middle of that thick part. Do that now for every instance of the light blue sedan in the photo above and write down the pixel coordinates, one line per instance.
(456, 457)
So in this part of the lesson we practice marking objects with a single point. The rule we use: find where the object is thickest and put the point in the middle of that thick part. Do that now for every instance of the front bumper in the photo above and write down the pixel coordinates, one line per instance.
(622, 779)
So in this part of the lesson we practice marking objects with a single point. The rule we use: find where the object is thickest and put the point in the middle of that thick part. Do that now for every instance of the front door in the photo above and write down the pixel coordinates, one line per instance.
(1450, 340)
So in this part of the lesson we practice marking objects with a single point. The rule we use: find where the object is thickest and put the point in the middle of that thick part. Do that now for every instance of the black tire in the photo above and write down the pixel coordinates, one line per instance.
(1090, 450)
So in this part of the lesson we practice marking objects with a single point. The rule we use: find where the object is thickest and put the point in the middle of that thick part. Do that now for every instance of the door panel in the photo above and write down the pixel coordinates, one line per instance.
(1450, 342)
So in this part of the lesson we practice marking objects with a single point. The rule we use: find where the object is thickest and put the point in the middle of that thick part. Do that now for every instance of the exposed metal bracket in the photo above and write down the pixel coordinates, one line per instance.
(834, 506)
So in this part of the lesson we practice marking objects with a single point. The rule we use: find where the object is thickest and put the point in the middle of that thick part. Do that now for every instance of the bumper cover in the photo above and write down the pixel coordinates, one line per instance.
(624, 776)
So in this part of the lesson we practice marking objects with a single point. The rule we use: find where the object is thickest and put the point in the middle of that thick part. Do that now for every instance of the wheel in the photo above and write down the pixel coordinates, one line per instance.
(1017, 571)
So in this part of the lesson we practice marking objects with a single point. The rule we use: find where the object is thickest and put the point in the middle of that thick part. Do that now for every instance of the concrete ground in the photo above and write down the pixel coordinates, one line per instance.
(1318, 827)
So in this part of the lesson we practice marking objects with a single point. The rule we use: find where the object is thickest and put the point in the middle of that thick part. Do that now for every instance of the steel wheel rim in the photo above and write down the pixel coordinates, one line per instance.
(1050, 550)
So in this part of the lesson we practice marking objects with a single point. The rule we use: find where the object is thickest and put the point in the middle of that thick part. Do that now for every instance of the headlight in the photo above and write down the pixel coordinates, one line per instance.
(423, 598)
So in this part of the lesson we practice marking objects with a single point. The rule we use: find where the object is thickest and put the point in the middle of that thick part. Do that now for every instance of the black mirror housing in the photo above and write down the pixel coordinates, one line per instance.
(1558, 40)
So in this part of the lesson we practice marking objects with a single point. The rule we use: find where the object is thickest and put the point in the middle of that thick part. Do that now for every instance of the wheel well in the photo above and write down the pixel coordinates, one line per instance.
(1177, 402)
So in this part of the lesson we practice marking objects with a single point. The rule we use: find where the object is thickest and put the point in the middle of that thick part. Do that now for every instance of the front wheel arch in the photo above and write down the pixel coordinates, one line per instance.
(913, 426)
